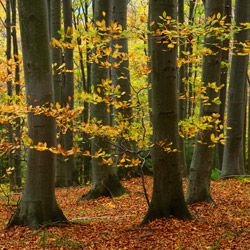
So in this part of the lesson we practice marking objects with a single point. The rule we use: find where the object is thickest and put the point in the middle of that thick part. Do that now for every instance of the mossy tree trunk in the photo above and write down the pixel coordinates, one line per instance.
(203, 156)
(236, 95)
(104, 177)
(38, 203)
(168, 197)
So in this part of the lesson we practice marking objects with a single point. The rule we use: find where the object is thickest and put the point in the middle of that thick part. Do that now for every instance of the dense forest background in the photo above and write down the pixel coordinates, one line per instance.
(97, 93)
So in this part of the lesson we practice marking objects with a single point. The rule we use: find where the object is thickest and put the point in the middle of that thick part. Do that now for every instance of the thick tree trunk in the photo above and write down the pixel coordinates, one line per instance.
(236, 95)
(224, 78)
(68, 90)
(38, 204)
(168, 197)
(203, 156)
(105, 180)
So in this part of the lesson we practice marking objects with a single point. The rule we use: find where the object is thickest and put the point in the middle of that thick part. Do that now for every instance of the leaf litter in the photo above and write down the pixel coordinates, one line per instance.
(112, 223)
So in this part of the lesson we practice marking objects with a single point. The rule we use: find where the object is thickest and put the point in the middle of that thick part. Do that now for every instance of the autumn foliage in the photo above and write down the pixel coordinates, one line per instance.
(107, 223)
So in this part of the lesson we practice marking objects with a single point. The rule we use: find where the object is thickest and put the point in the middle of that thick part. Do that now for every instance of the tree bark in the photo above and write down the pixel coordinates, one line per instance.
(236, 95)
(68, 91)
(9, 91)
(121, 77)
(203, 156)
(17, 157)
(105, 180)
(38, 204)
(168, 197)
(224, 78)
(181, 87)
(56, 55)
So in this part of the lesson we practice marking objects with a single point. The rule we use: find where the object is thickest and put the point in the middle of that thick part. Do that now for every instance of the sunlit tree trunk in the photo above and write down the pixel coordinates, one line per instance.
(236, 95)
(104, 177)
(224, 78)
(68, 90)
(168, 198)
(203, 156)
(38, 203)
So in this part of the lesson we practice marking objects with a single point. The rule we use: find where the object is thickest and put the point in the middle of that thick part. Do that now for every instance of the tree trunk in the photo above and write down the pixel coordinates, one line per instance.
(182, 92)
(68, 91)
(105, 180)
(38, 204)
(56, 55)
(236, 95)
(203, 156)
(224, 78)
(17, 157)
(121, 77)
(168, 197)
(9, 91)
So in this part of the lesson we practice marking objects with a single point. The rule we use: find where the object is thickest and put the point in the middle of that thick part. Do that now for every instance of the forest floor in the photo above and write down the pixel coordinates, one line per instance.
(111, 223)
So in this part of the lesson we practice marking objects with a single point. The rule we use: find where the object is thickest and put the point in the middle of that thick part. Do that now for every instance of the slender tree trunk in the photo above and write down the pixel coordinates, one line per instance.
(56, 55)
(105, 180)
(236, 95)
(224, 78)
(203, 156)
(17, 157)
(68, 90)
(38, 204)
(248, 165)
(121, 77)
(87, 144)
(168, 197)
(182, 92)
(9, 90)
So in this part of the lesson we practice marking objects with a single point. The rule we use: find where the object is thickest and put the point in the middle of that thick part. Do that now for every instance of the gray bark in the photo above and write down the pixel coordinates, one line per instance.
(168, 197)
(236, 96)
(203, 156)
(38, 204)
(56, 55)
(224, 79)
(181, 86)
(105, 180)
(121, 77)
(68, 91)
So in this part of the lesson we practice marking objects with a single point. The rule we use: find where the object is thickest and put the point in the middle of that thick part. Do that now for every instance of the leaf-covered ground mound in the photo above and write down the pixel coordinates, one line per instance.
(108, 223)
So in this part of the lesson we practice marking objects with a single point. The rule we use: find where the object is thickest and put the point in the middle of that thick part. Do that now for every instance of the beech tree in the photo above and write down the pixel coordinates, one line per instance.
(236, 94)
(104, 176)
(224, 79)
(168, 197)
(121, 77)
(38, 203)
(68, 90)
(56, 56)
(203, 156)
